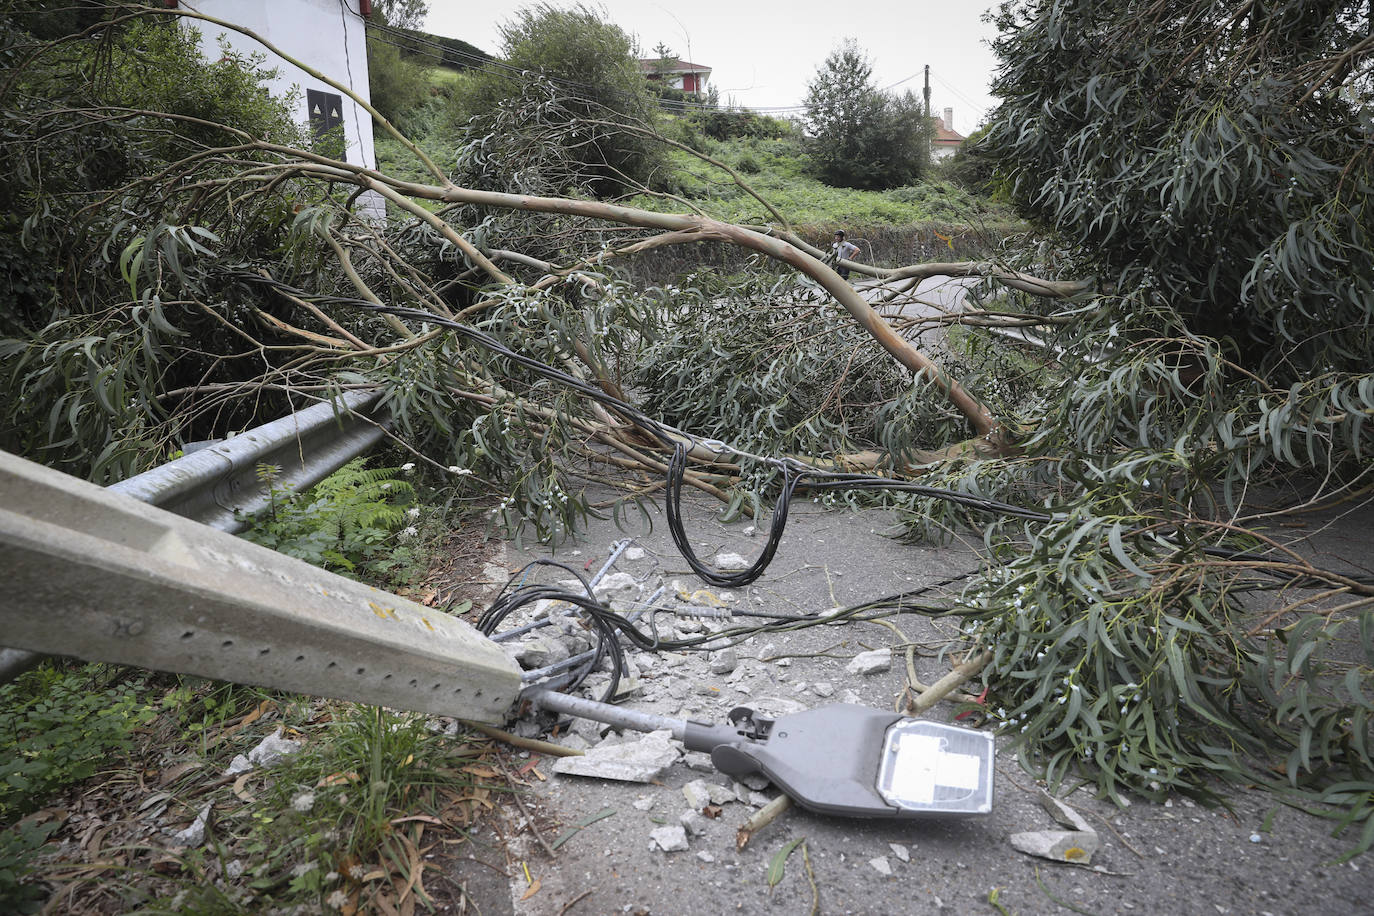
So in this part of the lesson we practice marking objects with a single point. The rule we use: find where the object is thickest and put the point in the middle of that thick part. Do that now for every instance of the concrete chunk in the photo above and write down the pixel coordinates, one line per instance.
(1063, 814)
(1057, 845)
(720, 795)
(672, 838)
(193, 835)
(697, 793)
(616, 585)
(870, 662)
(694, 822)
(634, 761)
(537, 652)
(724, 661)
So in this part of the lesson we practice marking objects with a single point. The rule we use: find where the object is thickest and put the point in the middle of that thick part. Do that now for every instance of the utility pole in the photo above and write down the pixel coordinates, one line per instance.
(927, 90)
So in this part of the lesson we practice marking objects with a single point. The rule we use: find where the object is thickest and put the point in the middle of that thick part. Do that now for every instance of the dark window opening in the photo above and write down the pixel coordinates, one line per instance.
(326, 122)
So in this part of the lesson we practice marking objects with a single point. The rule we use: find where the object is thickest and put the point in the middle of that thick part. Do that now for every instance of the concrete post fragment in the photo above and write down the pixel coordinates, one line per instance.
(1057, 845)
(672, 838)
(104, 577)
(633, 761)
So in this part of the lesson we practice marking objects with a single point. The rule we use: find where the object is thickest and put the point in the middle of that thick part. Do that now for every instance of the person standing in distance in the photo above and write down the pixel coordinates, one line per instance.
(843, 251)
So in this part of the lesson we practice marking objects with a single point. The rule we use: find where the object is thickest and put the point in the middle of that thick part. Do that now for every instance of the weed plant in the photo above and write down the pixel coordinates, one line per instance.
(353, 522)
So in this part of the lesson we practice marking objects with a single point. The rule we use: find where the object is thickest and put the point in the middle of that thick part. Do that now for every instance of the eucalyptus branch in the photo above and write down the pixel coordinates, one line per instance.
(734, 176)
(316, 74)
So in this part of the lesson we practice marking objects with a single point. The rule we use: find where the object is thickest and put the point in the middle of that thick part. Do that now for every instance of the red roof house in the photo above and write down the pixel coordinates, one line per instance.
(946, 139)
(679, 74)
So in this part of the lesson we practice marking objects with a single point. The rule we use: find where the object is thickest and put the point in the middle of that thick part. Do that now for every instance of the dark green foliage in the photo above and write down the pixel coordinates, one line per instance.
(1125, 650)
(592, 70)
(1218, 156)
(18, 846)
(780, 376)
(400, 14)
(399, 64)
(454, 53)
(398, 84)
(1210, 162)
(85, 349)
(59, 726)
(353, 521)
(754, 363)
(859, 137)
(972, 167)
(732, 123)
(82, 151)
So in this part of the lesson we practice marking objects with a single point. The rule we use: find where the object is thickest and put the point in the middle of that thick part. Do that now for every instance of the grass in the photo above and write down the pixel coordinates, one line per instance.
(776, 169)
(343, 824)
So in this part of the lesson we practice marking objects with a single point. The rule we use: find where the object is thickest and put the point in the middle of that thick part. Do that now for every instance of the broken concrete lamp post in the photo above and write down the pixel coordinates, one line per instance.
(842, 759)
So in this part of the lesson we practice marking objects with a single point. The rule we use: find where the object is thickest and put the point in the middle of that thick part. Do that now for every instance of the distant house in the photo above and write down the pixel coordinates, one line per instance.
(946, 139)
(679, 74)
(328, 35)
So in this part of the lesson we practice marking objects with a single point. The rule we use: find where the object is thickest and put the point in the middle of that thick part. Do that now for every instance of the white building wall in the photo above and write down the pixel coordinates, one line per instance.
(328, 35)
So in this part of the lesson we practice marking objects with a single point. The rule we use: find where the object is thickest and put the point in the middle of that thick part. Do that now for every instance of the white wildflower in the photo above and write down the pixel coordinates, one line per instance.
(337, 900)
(408, 466)
(413, 512)
(409, 531)
(303, 802)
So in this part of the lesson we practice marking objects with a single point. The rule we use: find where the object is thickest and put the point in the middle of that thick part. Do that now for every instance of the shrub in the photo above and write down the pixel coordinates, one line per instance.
(592, 68)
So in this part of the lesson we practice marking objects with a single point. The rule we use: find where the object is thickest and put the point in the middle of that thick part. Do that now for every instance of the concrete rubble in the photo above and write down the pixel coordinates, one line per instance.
(643, 760)
(623, 864)
(672, 838)
(1077, 844)
(870, 662)
(269, 752)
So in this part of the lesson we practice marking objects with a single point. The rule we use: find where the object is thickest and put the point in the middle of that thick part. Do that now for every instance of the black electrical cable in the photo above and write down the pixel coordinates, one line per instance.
(606, 643)
(677, 467)
(795, 473)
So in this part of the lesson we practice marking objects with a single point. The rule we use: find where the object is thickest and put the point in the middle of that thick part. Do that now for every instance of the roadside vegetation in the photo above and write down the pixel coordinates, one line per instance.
(1192, 272)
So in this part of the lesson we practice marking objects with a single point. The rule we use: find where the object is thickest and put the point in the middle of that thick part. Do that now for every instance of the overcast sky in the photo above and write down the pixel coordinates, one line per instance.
(762, 53)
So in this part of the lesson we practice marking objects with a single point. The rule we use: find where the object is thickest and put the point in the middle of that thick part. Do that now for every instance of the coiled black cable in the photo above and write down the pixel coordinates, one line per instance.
(795, 474)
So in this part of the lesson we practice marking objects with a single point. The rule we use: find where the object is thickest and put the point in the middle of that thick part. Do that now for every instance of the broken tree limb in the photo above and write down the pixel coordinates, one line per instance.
(529, 744)
(762, 818)
(945, 685)
(1054, 289)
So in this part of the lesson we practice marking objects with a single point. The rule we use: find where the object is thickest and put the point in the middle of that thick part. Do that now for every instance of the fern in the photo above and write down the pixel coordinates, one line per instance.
(352, 521)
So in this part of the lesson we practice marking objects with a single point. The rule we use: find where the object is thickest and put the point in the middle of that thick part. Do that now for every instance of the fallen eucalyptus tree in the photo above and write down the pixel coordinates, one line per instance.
(1144, 629)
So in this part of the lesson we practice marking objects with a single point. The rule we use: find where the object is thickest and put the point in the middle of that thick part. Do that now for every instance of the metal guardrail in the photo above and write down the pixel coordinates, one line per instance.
(218, 486)
(100, 576)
